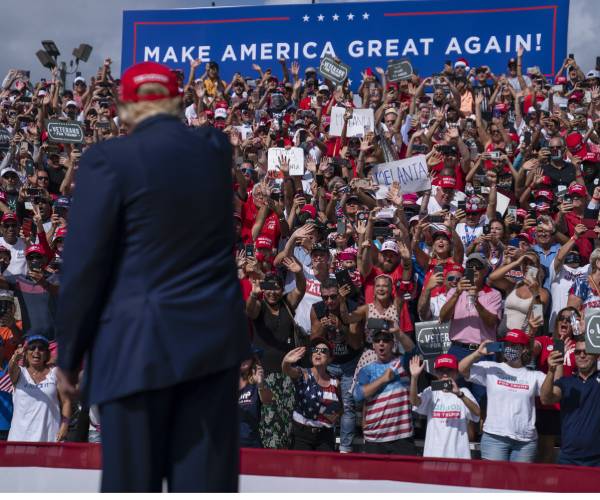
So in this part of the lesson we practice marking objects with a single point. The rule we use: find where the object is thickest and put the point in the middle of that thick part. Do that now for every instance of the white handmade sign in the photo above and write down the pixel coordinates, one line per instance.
(411, 173)
(361, 122)
(294, 156)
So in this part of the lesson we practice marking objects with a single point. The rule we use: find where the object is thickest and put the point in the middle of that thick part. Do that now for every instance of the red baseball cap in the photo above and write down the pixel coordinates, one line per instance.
(453, 267)
(311, 210)
(442, 232)
(8, 216)
(545, 181)
(61, 232)
(522, 213)
(447, 182)
(544, 193)
(263, 242)
(577, 147)
(592, 157)
(578, 190)
(516, 337)
(526, 237)
(147, 72)
(35, 249)
(446, 361)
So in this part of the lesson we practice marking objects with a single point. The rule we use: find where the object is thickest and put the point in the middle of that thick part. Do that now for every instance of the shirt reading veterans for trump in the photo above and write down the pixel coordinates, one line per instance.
(387, 415)
(447, 417)
(511, 396)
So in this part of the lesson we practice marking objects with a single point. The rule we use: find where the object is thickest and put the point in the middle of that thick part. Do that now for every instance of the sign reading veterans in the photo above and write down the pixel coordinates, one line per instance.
(4, 139)
(362, 34)
(399, 70)
(294, 156)
(411, 173)
(592, 331)
(67, 132)
(336, 71)
(361, 122)
(432, 338)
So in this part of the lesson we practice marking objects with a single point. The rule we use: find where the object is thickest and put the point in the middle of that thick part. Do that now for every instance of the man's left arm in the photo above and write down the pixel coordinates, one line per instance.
(90, 252)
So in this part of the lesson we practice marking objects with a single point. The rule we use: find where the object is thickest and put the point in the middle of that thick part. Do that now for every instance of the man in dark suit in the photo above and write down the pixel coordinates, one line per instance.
(150, 298)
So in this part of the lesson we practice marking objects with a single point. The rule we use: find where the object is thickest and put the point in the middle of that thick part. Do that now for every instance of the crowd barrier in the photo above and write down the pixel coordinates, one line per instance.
(75, 467)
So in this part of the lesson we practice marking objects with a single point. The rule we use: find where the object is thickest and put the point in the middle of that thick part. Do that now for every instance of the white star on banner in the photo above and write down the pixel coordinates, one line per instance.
(365, 16)
(320, 17)
(335, 17)
(305, 18)
(349, 81)
(350, 17)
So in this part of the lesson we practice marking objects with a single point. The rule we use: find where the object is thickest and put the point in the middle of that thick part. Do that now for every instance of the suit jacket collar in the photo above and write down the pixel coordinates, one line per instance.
(152, 120)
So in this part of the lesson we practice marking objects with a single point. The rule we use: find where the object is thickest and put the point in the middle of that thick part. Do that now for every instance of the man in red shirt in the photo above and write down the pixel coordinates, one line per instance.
(262, 216)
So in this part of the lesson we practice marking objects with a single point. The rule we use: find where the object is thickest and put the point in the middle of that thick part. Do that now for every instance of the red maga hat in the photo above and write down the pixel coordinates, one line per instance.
(147, 72)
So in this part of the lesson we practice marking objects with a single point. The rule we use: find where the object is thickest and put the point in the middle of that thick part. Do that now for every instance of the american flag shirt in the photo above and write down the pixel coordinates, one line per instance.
(313, 401)
(387, 414)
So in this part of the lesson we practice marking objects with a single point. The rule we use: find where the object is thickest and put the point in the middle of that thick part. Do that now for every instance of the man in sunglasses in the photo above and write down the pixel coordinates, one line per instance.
(383, 386)
(579, 398)
(10, 240)
(560, 171)
(474, 311)
(346, 343)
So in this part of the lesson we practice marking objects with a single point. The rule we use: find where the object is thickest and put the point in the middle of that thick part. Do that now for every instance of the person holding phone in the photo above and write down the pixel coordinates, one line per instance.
(317, 405)
(447, 407)
(585, 293)
(14, 243)
(433, 294)
(253, 393)
(579, 398)
(508, 385)
(473, 310)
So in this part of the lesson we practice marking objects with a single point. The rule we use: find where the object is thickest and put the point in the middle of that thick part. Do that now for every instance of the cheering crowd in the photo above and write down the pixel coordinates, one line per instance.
(337, 271)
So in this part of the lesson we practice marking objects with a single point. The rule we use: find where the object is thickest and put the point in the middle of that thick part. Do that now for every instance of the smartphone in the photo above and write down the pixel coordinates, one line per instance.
(343, 277)
(26, 226)
(531, 273)
(470, 274)
(436, 219)
(557, 88)
(598, 63)
(571, 56)
(320, 310)
(559, 345)
(102, 125)
(537, 311)
(487, 228)
(438, 269)
(320, 180)
(462, 205)
(341, 226)
(382, 232)
(512, 211)
(362, 215)
(378, 324)
(441, 385)
(249, 250)
(494, 155)
(495, 347)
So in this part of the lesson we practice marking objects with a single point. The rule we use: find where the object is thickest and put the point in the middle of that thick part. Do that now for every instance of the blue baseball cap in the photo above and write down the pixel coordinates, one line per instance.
(37, 338)
(62, 201)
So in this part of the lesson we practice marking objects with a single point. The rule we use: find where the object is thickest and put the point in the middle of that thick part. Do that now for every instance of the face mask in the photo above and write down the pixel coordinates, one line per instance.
(512, 353)
(556, 157)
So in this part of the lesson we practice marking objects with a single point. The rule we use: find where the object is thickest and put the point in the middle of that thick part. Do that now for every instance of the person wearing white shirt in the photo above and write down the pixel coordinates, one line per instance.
(448, 410)
(509, 431)
(16, 245)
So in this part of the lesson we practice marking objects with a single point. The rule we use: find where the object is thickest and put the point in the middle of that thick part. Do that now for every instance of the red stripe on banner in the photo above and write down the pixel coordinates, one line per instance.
(206, 21)
(357, 466)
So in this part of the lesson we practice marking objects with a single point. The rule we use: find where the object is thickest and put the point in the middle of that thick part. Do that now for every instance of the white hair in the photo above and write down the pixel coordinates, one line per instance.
(131, 113)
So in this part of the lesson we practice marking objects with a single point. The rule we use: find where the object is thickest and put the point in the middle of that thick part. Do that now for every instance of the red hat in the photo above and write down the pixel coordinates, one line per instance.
(447, 182)
(311, 210)
(516, 337)
(545, 181)
(576, 96)
(574, 142)
(147, 72)
(560, 80)
(453, 267)
(61, 232)
(461, 62)
(544, 193)
(35, 249)
(526, 237)
(592, 157)
(475, 205)
(578, 190)
(446, 361)
(348, 254)
(522, 213)
(263, 242)
(8, 216)
(443, 232)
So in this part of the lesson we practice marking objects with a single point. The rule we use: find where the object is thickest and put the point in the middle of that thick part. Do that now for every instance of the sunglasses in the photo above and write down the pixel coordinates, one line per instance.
(320, 350)
(477, 267)
(329, 297)
(578, 352)
(385, 338)
(7, 226)
(39, 347)
(564, 318)
(43, 178)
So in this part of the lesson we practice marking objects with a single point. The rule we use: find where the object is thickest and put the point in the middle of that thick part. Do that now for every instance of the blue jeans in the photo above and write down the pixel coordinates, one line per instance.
(477, 390)
(345, 372)
(494, 447)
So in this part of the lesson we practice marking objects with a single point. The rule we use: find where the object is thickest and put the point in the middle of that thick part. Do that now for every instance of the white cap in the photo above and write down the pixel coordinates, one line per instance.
(71, 103)
(220, 113)
(593, 73)
(7, 170)
(79, 79)
(390, 245)
(323, 87)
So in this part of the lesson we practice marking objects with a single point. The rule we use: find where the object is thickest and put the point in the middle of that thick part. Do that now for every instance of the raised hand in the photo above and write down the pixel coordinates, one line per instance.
(294, 355)
(292, 265)
(416, 366)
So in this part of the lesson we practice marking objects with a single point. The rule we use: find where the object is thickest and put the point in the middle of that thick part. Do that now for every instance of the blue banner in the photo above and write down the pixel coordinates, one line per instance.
(364, 34)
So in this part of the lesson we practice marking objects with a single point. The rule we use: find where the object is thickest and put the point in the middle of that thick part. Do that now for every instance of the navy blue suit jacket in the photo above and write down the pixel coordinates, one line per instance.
(149, 290)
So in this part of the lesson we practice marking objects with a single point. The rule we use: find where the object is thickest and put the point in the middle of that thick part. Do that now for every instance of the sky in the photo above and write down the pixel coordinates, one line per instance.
(99, 23)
